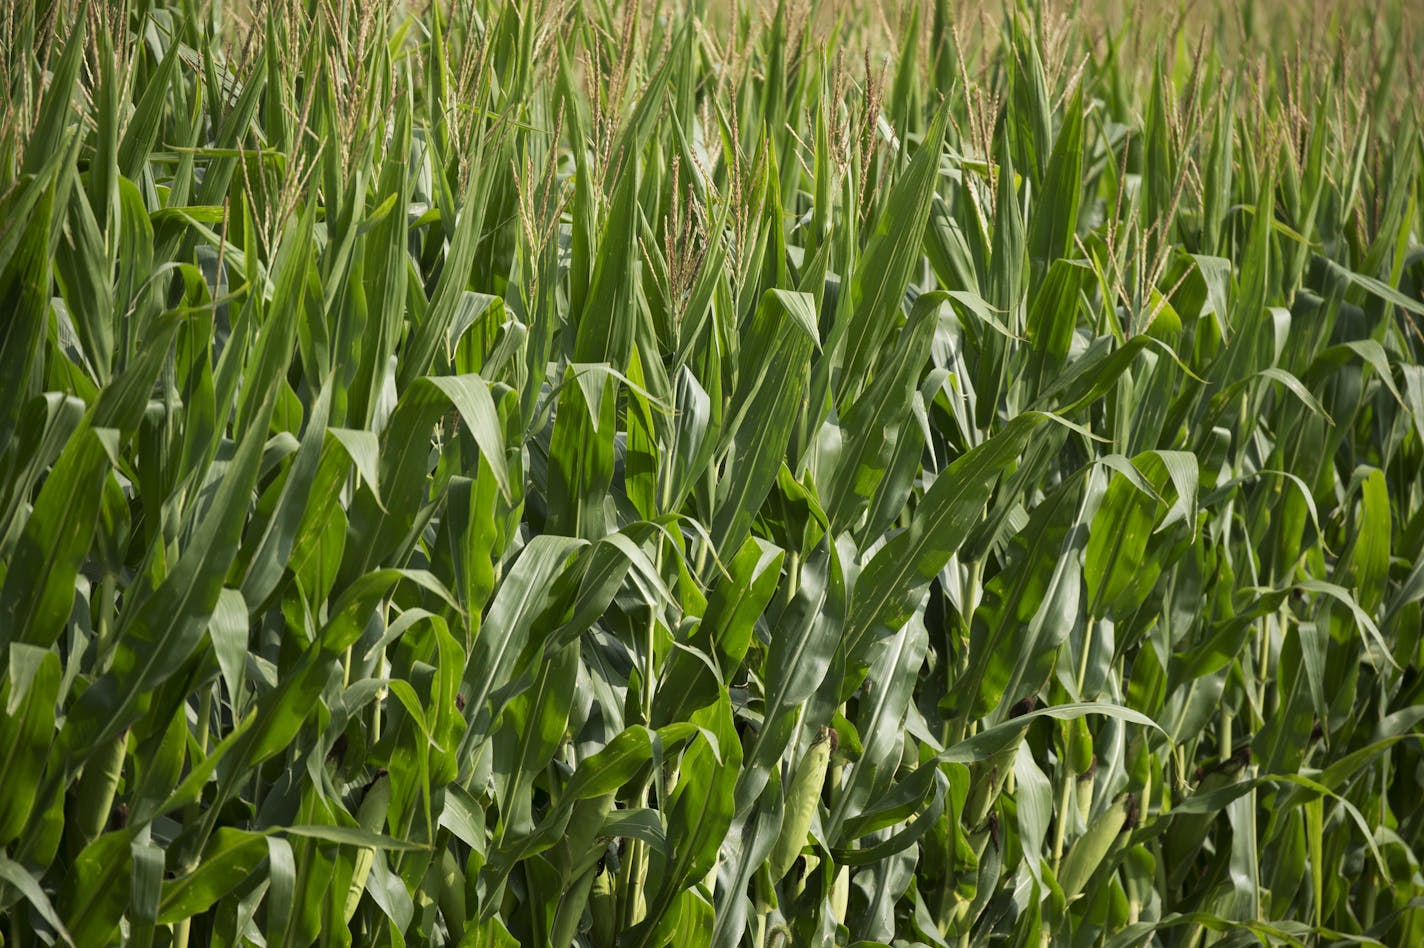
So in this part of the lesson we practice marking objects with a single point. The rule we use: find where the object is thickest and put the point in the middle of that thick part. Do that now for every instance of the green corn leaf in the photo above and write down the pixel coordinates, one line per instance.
(879, 282)
(895, 578)
(26, 730)
(769, 393)
(39, 587)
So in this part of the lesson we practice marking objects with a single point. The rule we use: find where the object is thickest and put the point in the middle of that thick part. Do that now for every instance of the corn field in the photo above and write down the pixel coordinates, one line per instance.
(521, 472)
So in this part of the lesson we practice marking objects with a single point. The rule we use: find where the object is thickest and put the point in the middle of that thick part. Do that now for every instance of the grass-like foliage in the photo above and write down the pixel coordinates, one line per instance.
(517, 472)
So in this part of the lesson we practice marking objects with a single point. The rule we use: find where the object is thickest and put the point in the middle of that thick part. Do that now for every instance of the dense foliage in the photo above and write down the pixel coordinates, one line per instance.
(532, 473)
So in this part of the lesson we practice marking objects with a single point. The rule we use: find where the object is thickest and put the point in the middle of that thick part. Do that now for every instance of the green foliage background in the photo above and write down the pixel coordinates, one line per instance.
(533, 473)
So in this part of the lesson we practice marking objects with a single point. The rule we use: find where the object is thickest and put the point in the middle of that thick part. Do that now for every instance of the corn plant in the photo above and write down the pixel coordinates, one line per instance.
(516, 472)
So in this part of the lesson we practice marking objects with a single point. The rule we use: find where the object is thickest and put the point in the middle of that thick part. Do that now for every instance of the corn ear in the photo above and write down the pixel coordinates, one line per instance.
(1083, 793)
(97, 786)
(1089, 849)
(1080, 745)
(840, 895)
(603, 909)
(802, 797)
